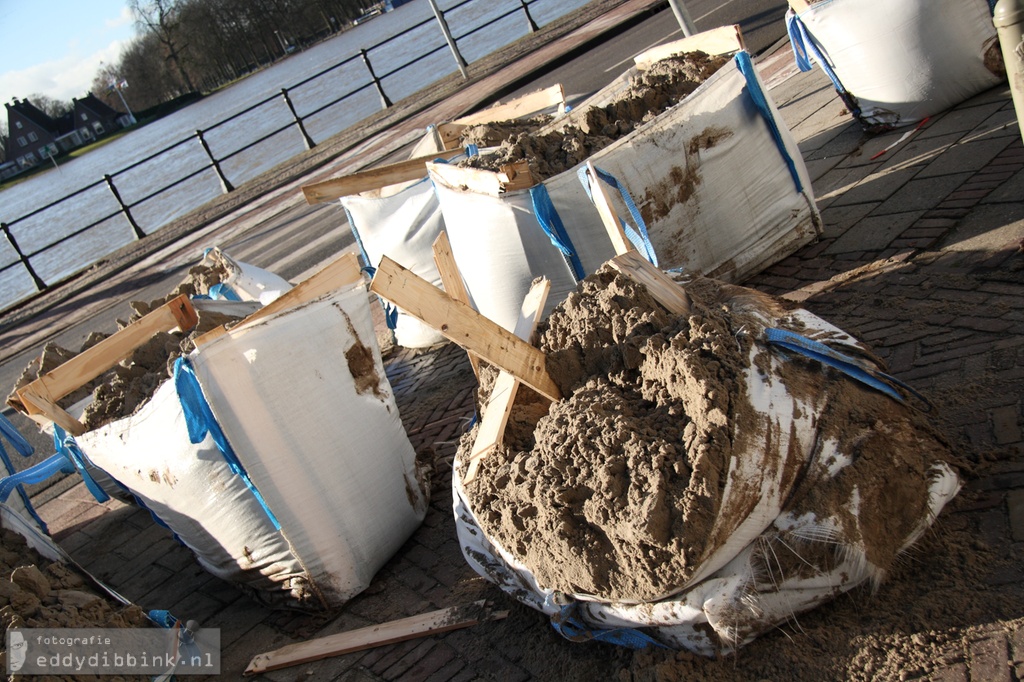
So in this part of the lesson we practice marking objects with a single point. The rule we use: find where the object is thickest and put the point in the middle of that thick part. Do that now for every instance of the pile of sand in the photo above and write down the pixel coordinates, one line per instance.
(650, 93)
(613, 491)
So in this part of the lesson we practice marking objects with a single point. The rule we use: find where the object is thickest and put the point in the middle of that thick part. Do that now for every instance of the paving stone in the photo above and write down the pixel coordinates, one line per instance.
(875, 232)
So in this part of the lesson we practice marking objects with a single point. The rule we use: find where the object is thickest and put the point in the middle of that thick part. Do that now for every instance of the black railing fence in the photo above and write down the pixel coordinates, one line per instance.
(24, 258)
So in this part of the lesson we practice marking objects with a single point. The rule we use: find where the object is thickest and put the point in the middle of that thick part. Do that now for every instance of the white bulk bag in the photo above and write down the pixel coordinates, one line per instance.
(735, 594)
(402, 226)
(718, 179)
(899, 60)
(246, 282)
(313, 485)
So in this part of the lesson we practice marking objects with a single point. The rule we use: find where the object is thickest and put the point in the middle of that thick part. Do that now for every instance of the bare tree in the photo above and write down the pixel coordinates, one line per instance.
(161, 18)
(54, 108)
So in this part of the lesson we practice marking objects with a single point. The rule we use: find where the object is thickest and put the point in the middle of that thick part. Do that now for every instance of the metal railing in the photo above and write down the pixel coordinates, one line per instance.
(125, 208)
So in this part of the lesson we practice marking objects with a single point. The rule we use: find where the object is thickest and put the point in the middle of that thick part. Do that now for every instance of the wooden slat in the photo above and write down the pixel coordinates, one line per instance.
(374, 178)
(39, 398)
(450, 134)
(511, 177)
(343, 271)
(503, 394)
(664, 289)
(799, 5)
(464, 326)
(721, 40)
(526, 105)
(612, 224)
(452, 280)
(442, 620)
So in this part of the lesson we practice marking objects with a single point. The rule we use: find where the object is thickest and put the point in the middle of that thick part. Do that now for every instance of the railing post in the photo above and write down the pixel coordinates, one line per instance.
(40, 284)
(385, 102)
(448, 38)
(526, 8)
(139, 234)
(224, 184)
(298, 121)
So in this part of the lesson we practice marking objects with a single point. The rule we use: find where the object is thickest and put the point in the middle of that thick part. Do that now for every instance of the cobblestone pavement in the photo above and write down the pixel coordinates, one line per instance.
(920, 257)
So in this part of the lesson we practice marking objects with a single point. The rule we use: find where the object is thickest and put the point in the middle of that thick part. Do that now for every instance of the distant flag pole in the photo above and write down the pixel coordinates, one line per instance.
(119, 84)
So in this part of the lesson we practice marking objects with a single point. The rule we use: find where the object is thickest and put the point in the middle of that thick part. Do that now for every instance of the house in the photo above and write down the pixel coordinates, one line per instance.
(33, 134)
(92, 118)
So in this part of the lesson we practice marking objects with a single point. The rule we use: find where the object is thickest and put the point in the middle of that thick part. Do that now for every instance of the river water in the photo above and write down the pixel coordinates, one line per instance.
(67, 217)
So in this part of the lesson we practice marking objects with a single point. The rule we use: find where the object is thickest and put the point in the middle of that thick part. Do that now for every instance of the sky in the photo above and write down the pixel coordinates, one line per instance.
(54, 47)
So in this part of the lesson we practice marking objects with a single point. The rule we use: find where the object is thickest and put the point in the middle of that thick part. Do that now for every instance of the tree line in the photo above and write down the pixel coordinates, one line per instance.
(185, 47)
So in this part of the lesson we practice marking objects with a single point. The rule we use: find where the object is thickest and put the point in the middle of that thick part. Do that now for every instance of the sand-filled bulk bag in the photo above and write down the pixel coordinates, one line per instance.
(276, 452)
(895, 62)
(705, 476)
(717, 181)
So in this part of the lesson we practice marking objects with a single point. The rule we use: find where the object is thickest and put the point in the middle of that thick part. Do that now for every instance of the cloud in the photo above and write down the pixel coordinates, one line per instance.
(123, 19)
(61, 79)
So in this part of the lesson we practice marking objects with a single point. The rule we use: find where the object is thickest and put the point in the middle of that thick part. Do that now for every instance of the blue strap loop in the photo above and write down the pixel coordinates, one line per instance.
(25, 449)
(552, 225)
(200, 421)
(223, 292)
(637, 236)
(855, 369)
(805, 47)
(568, 623)
(35, 474)
(757, 95)
(65, 445)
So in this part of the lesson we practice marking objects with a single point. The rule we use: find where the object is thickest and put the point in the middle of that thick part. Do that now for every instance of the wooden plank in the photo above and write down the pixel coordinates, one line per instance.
(612, 224)
(464, 326)
(374, 178)
(343, 271)
(452, 280)
(721, 40)
(524, 106)
(442, 620)
(39, 398)
(511, 177)
(664, 289)
(503, 393)
(799, 5)
(450, 134)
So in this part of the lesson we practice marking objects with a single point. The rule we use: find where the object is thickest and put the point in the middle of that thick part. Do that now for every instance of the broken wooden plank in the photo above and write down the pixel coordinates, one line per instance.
(39, 398)
(511, 177)
(799, 5)
(527, 105)
(717, 41)
(374, 178)
(343, 271)
(503, 393)
(610, 218)
(442, 620)
(464, 326)
(452, 280)
(450, 134)
(663, 288)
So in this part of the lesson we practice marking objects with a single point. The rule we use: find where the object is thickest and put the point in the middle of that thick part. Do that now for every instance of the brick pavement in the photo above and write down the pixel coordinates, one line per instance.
(920, 257)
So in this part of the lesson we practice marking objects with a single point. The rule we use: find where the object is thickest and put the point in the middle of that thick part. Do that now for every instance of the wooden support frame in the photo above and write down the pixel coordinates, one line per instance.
(39, 398)
(610, 218)
(343, 271)
(717, 41)
(434, 622)
(503, 393)
(521, 107)
(663, 288)
(464, 326)
(451, 278)
(374, 178)
(511, 177)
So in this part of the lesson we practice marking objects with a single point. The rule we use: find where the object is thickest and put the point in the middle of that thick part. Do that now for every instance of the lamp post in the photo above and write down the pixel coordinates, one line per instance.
(117, 85)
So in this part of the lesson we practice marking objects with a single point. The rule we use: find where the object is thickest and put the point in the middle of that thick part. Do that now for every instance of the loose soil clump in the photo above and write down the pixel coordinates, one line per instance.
(650, 93)
(615, 490)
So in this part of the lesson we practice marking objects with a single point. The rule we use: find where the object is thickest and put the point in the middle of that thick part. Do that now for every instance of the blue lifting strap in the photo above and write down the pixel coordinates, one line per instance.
(65, 445)
(568, 623)
(855, 369)
(805, 47)
(637, 236)
(552, 225)
(25, 449)
(200, 421)
(35, 474)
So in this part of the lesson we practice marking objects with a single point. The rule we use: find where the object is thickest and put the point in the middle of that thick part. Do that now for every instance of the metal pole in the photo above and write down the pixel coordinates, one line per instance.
(224, 184)
(1008, 17)
(40, 284)
(298, 121)
(139, 234)
(448, 38)
(683, 17)
(384, 100)
(526, 8)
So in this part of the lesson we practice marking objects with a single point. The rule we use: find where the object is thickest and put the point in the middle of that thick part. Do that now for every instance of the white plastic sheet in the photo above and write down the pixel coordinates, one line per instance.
(903, 60)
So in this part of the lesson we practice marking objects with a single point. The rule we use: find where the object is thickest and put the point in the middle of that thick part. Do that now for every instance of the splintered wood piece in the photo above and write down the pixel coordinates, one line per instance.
(343, 271)
(721, 40)
(612, 224)
(464, 326)
(452, 280)
(450, 135)
(503, 394)
(526, 105)
(511, 177)
(442, 620)
(665, 290)
(516, 176)
(374, 178)
(39, 398)
(799, 5)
